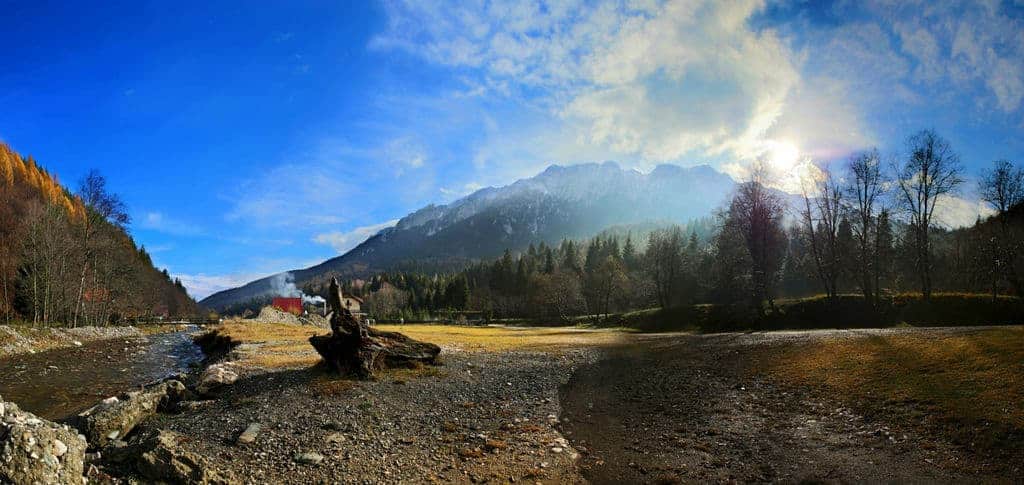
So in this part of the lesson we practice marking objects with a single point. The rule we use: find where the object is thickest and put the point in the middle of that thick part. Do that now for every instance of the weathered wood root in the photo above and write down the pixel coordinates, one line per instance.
(378, 350)
(355, 348)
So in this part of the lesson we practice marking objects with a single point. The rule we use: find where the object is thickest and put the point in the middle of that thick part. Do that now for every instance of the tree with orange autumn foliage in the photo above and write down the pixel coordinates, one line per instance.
(68, 259)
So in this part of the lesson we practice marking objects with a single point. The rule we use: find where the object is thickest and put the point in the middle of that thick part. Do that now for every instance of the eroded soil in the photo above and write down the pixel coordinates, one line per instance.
(668, 409)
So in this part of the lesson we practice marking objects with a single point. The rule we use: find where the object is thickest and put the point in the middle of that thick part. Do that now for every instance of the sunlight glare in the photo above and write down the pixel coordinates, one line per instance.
(783, 156)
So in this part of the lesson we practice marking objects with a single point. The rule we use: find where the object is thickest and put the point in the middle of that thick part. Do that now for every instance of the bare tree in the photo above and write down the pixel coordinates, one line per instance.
(664, 262)
(101, 206)
(756, 214)
(930, 173)
(93, 191)
(556, 295)
(822, 213)
(1003, 188)
(865, 190)
(608, 282)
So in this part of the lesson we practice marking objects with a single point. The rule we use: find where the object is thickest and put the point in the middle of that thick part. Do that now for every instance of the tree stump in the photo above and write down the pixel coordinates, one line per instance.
(355, 348)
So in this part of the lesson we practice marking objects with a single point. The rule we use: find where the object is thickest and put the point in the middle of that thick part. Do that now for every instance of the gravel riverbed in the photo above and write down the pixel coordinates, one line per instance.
(480, 417)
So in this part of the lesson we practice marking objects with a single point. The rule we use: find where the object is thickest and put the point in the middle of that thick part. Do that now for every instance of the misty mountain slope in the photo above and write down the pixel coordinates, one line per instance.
(578, 201)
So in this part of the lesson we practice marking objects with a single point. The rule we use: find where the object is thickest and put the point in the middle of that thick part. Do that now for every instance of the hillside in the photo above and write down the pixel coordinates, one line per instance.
(562, 202)
(68, 260)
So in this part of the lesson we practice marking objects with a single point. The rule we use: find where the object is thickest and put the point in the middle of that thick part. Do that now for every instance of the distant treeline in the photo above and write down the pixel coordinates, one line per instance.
(67, 259)
(867, 227)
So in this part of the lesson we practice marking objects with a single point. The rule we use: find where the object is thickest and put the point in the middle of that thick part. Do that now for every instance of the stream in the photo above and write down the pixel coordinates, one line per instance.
(61, 382)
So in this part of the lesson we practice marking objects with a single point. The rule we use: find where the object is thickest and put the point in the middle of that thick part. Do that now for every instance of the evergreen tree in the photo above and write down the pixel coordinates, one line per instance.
(549, 261)
(629, 254)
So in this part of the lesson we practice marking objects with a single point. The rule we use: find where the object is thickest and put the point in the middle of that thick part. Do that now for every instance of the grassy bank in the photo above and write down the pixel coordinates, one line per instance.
(971, 385)
(270, 345)
(846, 311)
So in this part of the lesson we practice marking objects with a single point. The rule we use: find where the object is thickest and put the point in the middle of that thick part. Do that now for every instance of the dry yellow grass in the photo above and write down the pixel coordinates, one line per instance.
(962, 378)
(272, 345)
(287, 346)
(501, 339)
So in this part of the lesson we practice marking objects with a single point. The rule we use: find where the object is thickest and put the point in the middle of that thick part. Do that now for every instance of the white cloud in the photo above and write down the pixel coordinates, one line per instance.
(954, 212)
(159, 248)
(294, 195)
(454, 192)
(405, 152)
(200, 285)
(342, 242)
(649, 82)
(680, 80)
(157, 221)
(971, 45)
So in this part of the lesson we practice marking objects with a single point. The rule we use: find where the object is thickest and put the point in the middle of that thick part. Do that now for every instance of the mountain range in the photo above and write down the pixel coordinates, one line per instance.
(561, 202)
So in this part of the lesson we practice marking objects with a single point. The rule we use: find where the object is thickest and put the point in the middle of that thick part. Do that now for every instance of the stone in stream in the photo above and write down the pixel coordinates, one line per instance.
(249, 435)
(34, 450)
(116, 417)
(353, 347)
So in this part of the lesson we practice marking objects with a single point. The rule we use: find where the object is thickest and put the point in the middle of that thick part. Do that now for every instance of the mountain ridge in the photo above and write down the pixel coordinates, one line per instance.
(563, 201)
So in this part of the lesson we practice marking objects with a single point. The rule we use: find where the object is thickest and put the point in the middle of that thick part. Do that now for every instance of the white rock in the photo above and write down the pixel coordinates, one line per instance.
(59, 448)
(215, 377)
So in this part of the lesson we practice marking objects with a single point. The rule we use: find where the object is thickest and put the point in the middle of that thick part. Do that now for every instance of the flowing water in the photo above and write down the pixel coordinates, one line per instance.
(58, 383)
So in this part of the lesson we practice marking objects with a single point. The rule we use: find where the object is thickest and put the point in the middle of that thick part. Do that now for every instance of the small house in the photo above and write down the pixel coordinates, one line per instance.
(354, 304)
(290, 305)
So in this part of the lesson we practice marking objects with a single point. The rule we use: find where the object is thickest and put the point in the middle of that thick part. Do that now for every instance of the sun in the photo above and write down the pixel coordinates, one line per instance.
(782, 156)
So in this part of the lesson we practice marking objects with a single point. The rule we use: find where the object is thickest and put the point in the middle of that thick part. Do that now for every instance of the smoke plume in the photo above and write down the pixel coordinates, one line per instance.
(283, 284)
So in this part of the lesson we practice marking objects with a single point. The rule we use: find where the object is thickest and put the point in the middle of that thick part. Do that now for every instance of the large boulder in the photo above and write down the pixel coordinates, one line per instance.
(163, 459)
(34, 450)
(215, 378)
(115, 417)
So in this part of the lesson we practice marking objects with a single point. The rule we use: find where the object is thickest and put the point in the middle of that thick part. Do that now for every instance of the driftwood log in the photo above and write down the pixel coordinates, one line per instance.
(355, 348)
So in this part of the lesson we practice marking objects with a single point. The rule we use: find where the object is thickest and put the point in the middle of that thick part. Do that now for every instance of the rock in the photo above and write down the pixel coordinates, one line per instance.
(162, 459)
(355, 348)
(115, 418)
(335, 438)
(494, 445)
(34, 450)
(335, 426)
(215, 378)
(183, 406)
(308, 458)
(59, 448)
(249, 435)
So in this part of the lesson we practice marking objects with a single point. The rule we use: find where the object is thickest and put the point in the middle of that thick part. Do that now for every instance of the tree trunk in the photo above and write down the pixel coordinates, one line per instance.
(353, 347)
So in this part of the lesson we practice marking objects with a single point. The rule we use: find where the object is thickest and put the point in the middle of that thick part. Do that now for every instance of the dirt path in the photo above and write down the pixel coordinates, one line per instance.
(688, 408)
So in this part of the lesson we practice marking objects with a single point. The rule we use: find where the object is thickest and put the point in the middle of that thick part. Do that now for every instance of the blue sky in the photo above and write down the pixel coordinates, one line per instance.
(254, 139)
